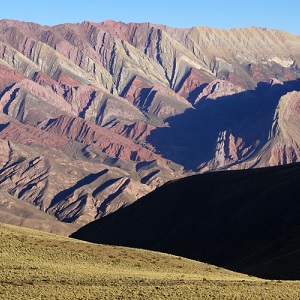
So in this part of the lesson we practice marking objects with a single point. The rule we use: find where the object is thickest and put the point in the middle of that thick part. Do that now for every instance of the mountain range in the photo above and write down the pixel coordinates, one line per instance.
(93, 116)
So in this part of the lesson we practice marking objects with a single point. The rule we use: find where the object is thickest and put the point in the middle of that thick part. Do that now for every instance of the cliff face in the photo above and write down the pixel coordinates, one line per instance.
(145, 102)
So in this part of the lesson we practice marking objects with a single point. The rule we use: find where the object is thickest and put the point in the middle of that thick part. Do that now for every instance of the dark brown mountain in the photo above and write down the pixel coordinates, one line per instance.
(246, 220)
(95, 115)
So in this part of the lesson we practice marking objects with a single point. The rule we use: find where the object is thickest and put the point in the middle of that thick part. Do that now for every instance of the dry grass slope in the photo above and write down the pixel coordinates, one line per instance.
(36, 265)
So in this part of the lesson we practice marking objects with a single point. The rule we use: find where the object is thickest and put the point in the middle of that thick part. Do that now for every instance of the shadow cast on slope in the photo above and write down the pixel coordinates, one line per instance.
(63, 195)
(190, 139)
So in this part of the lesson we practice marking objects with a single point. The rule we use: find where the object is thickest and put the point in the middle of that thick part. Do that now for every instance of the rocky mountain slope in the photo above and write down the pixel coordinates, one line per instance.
(15, 211)
(245, 220)
(95, 115)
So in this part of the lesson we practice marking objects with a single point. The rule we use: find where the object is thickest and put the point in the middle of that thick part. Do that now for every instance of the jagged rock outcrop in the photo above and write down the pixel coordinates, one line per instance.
(217, 89)
(284, 144)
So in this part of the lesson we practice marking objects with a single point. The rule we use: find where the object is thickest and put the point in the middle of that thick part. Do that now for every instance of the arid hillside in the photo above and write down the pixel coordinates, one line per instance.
(40, 265)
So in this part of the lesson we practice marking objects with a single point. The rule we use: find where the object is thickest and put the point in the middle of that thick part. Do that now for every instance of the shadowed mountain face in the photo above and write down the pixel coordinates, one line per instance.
(243, 130)
(95, 115)
(246, 220)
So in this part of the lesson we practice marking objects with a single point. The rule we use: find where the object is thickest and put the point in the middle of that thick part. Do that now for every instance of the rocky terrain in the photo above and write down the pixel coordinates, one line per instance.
(244, 220)
(95, 115)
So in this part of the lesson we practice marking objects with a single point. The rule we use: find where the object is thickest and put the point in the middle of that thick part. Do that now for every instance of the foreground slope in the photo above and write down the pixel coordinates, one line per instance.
(246, 221)
(38, 265)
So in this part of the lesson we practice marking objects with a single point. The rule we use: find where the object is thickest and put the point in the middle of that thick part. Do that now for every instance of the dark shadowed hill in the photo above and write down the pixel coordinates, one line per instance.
(246, 221)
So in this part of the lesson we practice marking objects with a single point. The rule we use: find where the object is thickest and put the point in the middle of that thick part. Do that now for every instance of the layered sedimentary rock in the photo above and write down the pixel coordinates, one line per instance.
(145, 102)
(71, 190)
